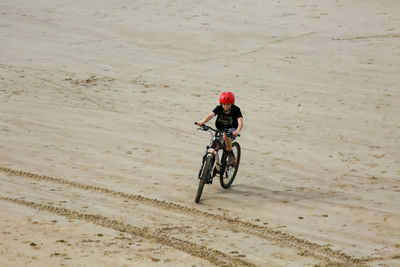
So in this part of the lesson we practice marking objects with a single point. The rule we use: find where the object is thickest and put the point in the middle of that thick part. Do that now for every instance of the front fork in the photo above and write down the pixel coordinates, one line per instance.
(209, 151)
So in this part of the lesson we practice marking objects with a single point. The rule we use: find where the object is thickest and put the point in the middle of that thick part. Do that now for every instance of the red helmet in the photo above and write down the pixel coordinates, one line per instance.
(226, 98)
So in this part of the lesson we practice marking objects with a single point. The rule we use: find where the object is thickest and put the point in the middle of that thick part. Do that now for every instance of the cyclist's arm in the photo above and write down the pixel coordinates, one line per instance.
(240, 126)
(206, 119)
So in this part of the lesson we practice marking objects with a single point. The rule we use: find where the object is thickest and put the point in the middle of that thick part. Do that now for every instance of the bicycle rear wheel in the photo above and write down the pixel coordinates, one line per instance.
(206, 172)
(228, 172)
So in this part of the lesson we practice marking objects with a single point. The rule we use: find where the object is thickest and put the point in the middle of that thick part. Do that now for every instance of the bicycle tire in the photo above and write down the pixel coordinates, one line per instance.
(204, 177)
(228, 173)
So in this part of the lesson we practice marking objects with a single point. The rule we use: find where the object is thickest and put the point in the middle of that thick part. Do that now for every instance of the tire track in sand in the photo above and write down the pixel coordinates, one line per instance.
(213, 256)
(304, 247)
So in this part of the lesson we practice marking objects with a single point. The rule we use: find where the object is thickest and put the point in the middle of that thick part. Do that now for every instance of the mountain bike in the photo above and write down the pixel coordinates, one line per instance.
(212, 164)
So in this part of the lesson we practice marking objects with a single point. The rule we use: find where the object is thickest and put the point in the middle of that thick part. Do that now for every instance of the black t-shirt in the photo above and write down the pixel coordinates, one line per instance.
(226, 121)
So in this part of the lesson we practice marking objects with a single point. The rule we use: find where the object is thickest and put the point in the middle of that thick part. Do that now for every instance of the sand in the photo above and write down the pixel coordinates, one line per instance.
(99, 155)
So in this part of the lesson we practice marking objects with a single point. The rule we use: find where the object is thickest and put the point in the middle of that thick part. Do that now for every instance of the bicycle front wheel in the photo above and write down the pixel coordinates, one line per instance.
(206, 172)
(228, 172)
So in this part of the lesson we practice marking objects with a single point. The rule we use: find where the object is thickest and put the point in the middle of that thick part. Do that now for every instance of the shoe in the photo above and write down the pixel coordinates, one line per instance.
(215, 172)
(210, 178)
(231, 159)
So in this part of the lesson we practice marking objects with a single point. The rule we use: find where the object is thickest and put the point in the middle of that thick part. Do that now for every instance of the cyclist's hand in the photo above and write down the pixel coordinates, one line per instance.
(235, 133)
(199, 123)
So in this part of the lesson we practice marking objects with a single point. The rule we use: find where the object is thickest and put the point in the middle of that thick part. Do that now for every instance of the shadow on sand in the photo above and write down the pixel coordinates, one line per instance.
(272, 193)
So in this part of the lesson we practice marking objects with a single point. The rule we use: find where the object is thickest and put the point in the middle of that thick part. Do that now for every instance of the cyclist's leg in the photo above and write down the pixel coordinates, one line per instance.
(228, 140)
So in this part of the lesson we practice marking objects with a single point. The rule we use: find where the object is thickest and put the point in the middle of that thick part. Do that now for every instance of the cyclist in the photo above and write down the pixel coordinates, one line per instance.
(229, 118)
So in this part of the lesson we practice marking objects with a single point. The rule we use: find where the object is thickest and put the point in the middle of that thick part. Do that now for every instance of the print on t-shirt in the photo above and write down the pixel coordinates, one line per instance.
(225, 120)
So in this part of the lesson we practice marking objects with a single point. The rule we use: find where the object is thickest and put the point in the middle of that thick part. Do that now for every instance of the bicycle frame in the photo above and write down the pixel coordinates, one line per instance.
(216, 143)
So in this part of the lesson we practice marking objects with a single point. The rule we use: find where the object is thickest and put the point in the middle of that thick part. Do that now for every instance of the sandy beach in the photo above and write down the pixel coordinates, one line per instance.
(99, 155)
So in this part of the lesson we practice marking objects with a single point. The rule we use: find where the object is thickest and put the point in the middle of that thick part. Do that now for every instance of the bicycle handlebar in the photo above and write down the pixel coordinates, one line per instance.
(206, 128)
